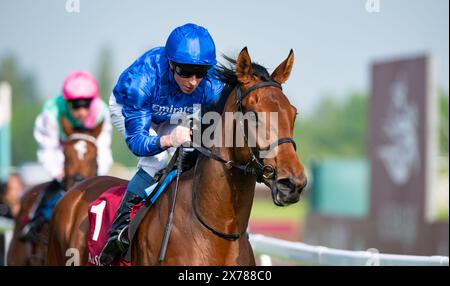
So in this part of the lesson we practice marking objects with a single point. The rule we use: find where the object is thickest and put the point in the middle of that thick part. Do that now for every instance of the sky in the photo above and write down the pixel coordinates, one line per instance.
(334, 42)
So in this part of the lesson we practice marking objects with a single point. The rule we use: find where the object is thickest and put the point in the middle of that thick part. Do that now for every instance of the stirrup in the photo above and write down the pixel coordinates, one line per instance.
(109, 252)
(113, 249)
(121, 242)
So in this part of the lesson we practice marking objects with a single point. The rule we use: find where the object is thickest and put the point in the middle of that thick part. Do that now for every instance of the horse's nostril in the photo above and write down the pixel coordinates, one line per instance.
(287, 183)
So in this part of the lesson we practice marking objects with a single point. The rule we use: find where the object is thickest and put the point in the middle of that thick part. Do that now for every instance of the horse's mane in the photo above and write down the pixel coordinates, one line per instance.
(227, 74)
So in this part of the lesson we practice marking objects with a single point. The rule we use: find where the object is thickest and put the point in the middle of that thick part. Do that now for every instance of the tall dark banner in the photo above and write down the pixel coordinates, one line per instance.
(402, 150)
(403, 124)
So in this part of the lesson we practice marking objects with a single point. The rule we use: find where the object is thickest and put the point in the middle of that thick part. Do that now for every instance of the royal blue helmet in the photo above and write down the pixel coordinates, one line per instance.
(191, 44)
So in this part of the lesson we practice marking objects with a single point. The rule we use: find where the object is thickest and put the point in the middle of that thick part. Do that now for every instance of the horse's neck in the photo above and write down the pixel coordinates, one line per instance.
(226, 195)
(82, 167)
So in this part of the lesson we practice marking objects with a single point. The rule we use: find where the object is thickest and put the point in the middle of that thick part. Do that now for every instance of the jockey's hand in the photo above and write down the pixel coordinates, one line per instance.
(177, 137)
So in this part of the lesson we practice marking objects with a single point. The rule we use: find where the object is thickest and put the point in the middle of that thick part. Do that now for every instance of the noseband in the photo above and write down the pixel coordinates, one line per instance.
(254, 167)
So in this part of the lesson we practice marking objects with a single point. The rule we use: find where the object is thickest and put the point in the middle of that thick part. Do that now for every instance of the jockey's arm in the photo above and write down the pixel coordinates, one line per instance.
(50, 153)
(137, 136)
(133, 93)
(118, 121)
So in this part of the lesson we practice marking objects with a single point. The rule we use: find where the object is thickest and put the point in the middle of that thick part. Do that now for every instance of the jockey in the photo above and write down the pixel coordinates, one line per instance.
(163, 82)
(82, 107)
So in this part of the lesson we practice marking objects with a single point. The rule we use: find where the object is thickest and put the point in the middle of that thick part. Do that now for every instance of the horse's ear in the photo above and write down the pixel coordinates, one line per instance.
(97, 130)
(282, 72)
(244, 70)
(67, 128)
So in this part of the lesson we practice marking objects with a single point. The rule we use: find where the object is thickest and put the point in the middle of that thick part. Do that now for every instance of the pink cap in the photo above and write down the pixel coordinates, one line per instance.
(79, 85)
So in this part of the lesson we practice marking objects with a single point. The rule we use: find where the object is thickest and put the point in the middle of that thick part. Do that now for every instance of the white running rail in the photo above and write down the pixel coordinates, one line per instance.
(320, 255)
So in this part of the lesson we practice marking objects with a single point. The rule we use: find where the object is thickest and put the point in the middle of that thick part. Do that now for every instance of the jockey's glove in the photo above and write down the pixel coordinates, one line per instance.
(179, 135)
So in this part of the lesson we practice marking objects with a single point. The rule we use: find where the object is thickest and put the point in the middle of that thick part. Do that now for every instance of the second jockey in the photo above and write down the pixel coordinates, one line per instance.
(163, 82)
(82, 107)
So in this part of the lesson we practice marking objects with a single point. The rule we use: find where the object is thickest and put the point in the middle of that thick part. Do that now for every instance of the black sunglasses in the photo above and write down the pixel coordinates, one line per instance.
(80, 103)
(187, 71)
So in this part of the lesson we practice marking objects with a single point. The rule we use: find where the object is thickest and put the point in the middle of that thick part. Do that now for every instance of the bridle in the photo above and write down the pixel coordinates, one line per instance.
(265, 171)
(253, 167)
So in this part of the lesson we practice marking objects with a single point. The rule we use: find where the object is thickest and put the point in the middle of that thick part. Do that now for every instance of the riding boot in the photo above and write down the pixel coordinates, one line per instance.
(118, 242)
(30, 231)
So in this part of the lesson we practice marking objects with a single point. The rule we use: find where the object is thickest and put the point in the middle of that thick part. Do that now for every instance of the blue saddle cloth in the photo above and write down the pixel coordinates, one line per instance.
(149, 191)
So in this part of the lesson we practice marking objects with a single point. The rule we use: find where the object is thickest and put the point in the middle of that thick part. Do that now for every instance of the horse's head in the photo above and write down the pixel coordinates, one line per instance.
(260, 92)
(80, 153)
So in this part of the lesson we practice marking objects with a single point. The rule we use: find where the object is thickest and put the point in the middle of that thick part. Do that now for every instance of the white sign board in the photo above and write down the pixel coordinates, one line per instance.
(5, 103)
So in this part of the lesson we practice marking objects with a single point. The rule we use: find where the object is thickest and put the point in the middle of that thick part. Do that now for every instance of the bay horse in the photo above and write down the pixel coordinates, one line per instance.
(76, 168)
(214, 199)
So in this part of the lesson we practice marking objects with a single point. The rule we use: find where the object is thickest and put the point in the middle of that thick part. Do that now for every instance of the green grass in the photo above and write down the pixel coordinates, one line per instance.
(442, 215)
(265, 209)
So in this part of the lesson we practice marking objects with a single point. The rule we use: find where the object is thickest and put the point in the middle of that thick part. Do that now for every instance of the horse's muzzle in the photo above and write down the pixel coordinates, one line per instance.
(286, 191)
